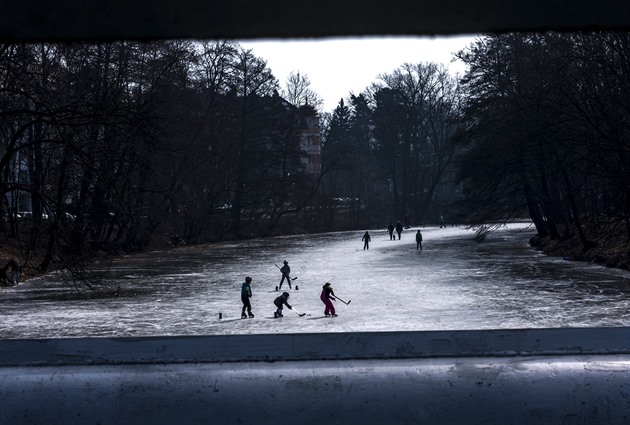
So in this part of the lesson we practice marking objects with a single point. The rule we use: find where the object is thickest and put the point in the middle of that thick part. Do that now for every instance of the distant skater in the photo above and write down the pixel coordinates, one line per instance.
(366, 240)
(286, 271)
(390, 230)
(327, 297)
(418, 240)
(399, 229)
(279, 302)
(246, 294)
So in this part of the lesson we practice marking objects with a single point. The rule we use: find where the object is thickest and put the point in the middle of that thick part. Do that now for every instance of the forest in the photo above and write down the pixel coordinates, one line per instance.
(124, 146)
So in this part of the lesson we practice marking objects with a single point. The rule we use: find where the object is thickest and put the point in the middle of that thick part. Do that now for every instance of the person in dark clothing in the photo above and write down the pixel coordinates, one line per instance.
(282, 300)
(390, 230)
(399, 229)
(246, 294)
(327, 296)
(366, 240)
(286, 271)
(418, 240)
(12, 272)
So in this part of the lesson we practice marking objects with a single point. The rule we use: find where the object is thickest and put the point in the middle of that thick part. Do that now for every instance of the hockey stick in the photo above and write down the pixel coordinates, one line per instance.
(299, 314)
(346, 303)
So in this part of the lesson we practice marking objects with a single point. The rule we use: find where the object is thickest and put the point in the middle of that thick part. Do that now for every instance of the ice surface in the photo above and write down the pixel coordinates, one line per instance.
(454, 283)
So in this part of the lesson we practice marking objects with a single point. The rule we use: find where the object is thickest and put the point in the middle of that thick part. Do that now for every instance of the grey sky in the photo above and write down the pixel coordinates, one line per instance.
(339, 66)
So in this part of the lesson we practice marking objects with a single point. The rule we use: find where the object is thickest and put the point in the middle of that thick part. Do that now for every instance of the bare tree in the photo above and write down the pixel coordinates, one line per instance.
(298, 91)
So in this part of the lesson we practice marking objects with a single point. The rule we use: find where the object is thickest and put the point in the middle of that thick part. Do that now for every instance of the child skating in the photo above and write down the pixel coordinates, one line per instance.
(327, 296)
(246, 294)
(279, 302)
(286, 272)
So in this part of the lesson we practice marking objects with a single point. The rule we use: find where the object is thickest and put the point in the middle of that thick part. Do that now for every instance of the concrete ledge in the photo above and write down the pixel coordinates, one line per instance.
(537, 376)
(301, 347)
(586, 390)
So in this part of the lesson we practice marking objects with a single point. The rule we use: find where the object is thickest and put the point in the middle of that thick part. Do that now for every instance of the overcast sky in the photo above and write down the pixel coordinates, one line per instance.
(339, 66)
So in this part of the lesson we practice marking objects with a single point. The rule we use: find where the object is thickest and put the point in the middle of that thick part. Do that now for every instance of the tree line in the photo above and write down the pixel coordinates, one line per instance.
(545, 131)
(112, 146)
(120, 146)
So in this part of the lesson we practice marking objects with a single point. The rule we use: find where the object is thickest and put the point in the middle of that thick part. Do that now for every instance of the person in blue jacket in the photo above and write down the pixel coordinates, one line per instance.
(246, 294)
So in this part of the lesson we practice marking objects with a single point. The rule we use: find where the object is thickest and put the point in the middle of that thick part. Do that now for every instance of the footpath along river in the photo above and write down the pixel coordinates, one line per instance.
(453, 283)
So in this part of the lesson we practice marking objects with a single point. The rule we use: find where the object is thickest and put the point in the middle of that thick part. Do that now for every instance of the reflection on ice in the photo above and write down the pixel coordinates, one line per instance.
(453, 283)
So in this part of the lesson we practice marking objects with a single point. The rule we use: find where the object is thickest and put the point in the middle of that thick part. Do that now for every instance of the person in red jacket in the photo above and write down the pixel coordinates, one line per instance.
(327, 297)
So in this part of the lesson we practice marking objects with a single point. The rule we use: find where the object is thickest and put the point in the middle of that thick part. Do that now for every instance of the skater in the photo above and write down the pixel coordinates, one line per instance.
(246, 294)
(327, 297)
(279, 302)
(286, 271)
(366, 238)
(399, 228)
(442, 222)
(418, 240)
(390, 230)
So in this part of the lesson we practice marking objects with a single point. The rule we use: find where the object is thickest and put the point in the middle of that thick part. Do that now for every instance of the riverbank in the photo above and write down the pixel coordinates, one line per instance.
(10, 249)
(610, 239)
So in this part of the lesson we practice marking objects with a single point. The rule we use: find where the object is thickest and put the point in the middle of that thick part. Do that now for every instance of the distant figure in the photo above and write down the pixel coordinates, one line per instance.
(366, 240)
(327, 297)
(399, 229)
(442, 222)
(175, 240)
(390, 230)
(418, 240)
(286, 271)
(12, 272)
(246, 294)
(279, 302)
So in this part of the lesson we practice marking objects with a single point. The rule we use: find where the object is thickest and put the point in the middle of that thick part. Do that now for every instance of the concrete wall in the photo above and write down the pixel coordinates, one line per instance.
(545, 376)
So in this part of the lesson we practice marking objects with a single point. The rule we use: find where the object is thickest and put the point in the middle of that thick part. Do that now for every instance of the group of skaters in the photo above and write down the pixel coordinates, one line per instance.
(398, 228)
(327, 296)
(366, 239)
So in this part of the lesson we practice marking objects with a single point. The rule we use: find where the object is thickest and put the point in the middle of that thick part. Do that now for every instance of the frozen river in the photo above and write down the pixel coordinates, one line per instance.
(454, 283)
